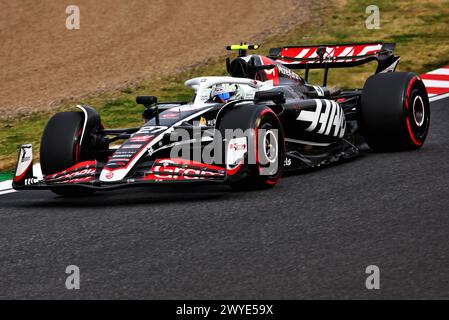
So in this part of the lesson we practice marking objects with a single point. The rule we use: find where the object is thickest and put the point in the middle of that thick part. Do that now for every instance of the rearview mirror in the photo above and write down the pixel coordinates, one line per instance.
(147, 101)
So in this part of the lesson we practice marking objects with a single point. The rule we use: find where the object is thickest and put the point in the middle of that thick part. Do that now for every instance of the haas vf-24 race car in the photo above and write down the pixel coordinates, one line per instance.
(261, 120)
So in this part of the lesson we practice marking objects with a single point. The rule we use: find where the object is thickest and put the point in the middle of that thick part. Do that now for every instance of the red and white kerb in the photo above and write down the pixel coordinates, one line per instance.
(437, 81)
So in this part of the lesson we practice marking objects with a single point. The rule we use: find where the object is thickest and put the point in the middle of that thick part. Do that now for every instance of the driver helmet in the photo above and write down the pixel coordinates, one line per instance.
(223, 92)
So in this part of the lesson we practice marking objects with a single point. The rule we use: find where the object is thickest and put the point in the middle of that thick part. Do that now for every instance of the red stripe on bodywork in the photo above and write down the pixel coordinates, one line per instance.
(18, 178)
(82, 165)
(271, 74)
(232, 172)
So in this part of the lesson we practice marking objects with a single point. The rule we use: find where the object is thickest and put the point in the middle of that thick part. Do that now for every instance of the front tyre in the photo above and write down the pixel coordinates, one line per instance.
(60, 148)
(263, 164)
(270, 154)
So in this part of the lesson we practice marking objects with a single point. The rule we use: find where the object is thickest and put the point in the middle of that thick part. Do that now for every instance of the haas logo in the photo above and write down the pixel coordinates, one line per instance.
(26, 153)
(110, 175)
(328, 118)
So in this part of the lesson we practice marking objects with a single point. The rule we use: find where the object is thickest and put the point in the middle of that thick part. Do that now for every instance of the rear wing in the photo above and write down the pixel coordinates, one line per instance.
(337, 56)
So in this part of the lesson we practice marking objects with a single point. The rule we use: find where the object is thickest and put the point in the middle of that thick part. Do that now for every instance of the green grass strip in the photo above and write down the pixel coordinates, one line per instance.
(6, 176)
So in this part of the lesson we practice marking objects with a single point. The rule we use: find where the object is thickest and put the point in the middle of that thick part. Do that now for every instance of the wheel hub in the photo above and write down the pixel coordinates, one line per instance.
(418, 111)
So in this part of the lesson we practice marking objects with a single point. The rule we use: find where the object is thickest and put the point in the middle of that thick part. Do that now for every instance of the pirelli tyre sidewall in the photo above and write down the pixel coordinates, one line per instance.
(262, 119)
(395, 112)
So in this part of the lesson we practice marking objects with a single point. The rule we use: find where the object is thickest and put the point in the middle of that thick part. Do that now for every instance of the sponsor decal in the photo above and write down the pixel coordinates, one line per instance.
(279, 69)
(110, 175)
(170, 115)
(26, 157)
(140, 138)
(287, 162)
(117, 163)
(319, 91)
(236, 150)
(31, 181)
(70, 176)
(77, 180)
(123, 154)
(327, 118)
(287, 72)
(79, 166)
(205, 95)
(237, 146)
(131, 146)
(248, 95)
(163, 169)
(152, 129)
(271, 74)
(203, 122)
(24, 162)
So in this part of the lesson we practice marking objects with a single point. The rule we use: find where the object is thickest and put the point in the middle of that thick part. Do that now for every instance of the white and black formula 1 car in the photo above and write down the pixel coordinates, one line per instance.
(260, 121)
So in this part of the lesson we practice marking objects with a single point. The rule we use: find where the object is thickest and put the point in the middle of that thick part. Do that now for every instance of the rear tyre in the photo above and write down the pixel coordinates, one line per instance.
(60, 148)
(267, 144)
(395, 112)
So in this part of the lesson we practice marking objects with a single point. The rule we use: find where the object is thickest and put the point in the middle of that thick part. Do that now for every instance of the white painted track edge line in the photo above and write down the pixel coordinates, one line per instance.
(7, 191)
(6, 187)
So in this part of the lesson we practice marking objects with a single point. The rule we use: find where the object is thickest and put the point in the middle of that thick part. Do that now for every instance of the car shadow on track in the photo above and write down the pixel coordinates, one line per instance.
(160, 195)
(124, 197)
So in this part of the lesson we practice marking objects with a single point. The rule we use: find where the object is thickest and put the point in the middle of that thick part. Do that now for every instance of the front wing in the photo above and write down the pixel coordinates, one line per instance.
(160, 171)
